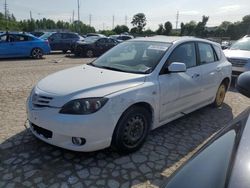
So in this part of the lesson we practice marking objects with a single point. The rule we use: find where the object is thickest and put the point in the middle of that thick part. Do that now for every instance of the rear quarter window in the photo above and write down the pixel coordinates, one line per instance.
(217, 51)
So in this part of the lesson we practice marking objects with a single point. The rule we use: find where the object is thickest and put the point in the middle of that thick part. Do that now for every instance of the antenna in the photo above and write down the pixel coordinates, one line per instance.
(177, 19)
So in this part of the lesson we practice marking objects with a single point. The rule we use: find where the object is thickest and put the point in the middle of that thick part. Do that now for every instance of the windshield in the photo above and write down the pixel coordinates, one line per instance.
(242, 44)
(45, 36)
(133, 56)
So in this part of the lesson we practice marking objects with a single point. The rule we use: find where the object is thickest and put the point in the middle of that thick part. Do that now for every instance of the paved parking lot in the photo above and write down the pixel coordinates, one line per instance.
(28, 162)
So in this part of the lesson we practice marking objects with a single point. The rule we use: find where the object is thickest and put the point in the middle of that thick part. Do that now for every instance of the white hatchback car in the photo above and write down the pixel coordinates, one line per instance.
(135, 87)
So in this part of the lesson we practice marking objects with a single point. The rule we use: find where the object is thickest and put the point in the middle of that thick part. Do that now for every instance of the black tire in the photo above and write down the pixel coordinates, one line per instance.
(131, 130)
(37, 53)
(220, 95)
(65, 51)
(89, 53)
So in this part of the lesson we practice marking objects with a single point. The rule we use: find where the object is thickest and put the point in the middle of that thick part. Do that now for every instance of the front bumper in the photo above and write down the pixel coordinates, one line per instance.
(97, 129)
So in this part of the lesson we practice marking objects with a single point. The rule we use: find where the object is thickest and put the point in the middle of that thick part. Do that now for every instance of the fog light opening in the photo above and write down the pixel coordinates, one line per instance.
(78, 141)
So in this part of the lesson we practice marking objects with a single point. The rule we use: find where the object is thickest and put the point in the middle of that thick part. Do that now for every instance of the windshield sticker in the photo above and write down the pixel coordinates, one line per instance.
(156, 47)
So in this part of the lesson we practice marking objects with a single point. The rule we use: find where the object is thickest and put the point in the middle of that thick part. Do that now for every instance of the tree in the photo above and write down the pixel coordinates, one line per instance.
(168, 28)
(200, 28)
(139, 21)
(121, 29)
(160, 30)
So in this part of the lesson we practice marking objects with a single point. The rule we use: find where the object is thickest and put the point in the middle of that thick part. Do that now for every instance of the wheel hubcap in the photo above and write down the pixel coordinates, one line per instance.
(134, 130)
(89, 53)
(37, 53)
(221, 94)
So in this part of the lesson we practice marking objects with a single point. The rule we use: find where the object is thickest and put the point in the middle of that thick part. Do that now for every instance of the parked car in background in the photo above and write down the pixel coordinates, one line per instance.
(22, 45)
(62, 41)
(135, 87)
(239, 55)
(94, 46)
(224, 161)
(37, 33)
(94, 35)
(121, 38)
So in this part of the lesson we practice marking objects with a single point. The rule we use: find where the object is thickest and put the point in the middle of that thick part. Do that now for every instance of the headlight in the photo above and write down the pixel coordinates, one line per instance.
(83, 106)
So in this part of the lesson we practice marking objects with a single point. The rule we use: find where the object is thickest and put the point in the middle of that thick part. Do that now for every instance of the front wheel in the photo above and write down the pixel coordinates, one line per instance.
(37, 53)
(220, 95)
(131, 130)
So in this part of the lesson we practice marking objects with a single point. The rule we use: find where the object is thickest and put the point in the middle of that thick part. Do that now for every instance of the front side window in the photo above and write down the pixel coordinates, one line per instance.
(206, 52)
(184, 53)
(134, 57)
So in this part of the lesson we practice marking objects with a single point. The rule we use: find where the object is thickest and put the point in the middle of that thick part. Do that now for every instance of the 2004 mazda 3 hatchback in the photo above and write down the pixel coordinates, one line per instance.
(135, 87)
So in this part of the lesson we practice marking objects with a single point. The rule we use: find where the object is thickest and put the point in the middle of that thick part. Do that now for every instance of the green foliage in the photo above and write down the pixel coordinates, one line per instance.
(160, 30)
(121, 29)
(139, 21)
(168, 28)
(107, 32)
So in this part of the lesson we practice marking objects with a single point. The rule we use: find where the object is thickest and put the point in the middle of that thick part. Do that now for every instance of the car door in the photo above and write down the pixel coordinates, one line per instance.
(21, 45)
(101, 46)
(4, 46)
(180, 92)
(211, 69)
(55, 41)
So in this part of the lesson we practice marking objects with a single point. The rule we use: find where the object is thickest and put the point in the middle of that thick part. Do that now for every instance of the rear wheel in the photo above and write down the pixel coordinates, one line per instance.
(220, 95)
(37, 53)
(131, 130)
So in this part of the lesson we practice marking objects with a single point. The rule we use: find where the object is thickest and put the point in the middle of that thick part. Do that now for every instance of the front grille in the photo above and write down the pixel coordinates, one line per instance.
(41, 131)
(237, 62)
(41, 101)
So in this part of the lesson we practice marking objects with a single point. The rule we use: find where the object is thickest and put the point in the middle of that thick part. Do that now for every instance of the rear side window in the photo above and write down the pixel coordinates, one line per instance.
(56, 36)
(3, 38)
(184, 53)
(69, 36)
(207, 54)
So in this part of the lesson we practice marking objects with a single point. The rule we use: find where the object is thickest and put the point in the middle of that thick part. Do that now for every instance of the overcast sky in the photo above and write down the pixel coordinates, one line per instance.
(156, 11)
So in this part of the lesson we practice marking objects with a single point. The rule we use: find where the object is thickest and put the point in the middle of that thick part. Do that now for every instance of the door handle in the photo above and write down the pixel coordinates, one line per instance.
(196, 75)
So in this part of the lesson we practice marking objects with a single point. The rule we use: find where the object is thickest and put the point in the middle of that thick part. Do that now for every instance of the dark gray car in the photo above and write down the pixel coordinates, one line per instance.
(225, 160)
(62, 41)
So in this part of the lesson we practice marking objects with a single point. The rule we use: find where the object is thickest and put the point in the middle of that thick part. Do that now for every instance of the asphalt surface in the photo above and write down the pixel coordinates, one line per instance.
(28, 162)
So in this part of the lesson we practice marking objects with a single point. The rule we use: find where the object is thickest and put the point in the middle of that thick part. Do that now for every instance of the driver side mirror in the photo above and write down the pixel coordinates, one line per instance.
(177, 67)
(243, 84)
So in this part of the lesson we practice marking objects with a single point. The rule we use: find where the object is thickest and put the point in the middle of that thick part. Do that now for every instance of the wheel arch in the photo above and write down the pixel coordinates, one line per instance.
(226, 81)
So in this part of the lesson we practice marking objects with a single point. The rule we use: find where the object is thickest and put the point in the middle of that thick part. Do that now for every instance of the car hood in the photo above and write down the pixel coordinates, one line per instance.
(88, 81)
(237, 54)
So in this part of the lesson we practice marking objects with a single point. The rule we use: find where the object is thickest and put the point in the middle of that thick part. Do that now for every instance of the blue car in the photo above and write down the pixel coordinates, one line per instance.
(22, 45)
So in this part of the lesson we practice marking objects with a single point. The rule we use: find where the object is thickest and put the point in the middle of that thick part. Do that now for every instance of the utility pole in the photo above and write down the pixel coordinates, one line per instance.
(30, 15)
(73, 16)
(126, 20)
(113, 22)
(177, 20)
(78, 7)
(90, 19)
(6, 12)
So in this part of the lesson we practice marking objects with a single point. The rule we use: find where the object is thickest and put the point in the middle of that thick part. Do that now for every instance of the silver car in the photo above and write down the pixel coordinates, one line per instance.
(239, 55)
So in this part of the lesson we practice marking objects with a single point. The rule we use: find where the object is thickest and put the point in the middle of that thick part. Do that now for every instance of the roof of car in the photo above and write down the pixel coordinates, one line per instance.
(168, 39)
